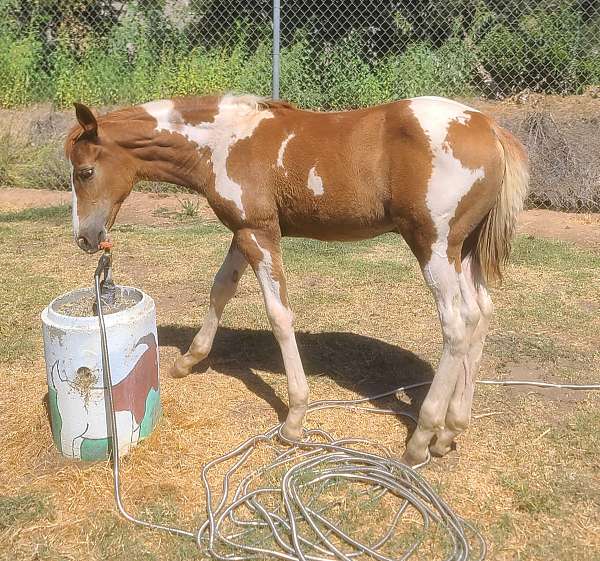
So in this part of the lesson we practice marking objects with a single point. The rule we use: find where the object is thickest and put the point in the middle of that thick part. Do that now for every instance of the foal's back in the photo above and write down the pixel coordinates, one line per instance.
(357, 174)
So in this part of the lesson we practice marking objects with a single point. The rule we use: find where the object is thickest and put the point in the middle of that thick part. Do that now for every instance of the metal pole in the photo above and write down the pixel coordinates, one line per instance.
(276, 57)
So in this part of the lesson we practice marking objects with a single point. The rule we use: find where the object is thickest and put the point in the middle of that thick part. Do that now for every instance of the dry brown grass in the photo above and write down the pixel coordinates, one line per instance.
(526, 474)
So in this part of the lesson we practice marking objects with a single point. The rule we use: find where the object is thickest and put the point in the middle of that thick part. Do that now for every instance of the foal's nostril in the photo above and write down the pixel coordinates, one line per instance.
(83, 243)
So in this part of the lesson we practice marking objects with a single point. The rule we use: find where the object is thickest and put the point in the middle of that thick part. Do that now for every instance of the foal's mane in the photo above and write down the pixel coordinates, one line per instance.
(137, 112)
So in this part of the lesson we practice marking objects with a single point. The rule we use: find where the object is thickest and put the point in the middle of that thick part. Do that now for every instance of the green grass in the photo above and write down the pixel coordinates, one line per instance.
(55, 214)
(189, 208)
(356, 260)
(579, 264)
(580, 435)
(114, 538)
(529, 499)
(17, 511)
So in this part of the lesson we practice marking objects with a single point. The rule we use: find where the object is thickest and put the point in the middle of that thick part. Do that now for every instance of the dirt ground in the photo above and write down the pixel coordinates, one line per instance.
(525, 472)
(162, 209)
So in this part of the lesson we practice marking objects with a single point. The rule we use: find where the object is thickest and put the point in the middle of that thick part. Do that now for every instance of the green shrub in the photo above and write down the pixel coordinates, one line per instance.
(544, 51)
(446, 71)
(144, 56)
(19, 62)
(347, 79)
(299, 76)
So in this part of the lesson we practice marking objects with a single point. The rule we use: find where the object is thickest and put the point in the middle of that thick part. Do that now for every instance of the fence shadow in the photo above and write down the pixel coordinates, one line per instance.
(364, 365)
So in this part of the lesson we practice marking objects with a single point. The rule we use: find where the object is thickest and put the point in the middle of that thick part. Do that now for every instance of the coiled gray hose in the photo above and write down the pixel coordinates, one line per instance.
(288, 514)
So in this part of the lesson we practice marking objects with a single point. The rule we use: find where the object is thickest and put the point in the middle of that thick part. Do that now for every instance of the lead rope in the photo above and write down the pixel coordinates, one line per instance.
(298, 526)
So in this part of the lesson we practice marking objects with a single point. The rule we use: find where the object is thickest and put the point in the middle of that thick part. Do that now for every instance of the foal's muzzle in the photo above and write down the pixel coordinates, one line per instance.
(90, 242)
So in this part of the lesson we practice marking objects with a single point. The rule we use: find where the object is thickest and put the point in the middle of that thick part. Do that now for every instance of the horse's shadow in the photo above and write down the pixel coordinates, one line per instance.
(362, 364)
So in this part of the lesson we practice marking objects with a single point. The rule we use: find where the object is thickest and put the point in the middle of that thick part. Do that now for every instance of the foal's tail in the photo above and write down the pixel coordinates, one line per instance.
(498, 227)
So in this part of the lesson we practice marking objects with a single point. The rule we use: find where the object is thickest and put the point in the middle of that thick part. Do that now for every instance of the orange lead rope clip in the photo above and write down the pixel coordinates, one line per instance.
(106, 245)
(108, 291)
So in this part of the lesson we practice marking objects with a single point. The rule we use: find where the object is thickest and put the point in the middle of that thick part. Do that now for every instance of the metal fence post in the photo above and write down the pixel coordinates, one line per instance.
(276, 57)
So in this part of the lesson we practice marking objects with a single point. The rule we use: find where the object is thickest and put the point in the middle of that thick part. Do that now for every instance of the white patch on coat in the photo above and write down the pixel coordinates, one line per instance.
(237, 118)
(74, 215)
(315, 182)
(265, 273)
(282, 148)
(450, 181)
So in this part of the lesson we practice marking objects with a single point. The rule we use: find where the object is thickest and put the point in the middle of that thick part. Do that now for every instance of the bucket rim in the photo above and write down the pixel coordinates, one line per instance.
(51, 316)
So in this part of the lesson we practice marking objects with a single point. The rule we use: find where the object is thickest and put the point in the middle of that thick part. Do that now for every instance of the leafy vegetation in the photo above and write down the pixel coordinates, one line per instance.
(76, 51)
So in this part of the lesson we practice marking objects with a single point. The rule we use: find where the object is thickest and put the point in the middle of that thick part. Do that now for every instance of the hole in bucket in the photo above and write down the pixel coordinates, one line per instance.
(85, 379)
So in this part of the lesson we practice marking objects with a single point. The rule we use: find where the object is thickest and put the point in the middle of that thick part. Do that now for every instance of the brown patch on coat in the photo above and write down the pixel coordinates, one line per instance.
(130, 393)
(195, 110)
(248, 166)
(354, 202)
(475, 145)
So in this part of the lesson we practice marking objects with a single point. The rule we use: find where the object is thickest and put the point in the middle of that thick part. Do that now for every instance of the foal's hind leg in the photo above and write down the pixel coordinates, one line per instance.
(263, 252)
(223, 289)
(456, 316)
(458, 415)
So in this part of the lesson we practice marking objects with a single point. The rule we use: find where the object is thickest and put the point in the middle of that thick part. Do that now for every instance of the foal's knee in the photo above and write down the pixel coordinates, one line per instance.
(201, 345)
(471, 314)
(432, 416)
(224, 287)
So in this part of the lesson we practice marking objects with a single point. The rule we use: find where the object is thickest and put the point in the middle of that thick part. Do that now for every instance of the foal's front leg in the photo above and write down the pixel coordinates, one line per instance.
(263, 252)
(223, 289)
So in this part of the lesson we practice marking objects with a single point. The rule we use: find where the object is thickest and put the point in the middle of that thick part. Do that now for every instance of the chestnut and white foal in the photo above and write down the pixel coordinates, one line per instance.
(444, 176)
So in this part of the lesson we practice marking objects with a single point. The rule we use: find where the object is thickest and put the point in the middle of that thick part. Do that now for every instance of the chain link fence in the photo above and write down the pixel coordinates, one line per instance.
(361, 51)
(337, 54)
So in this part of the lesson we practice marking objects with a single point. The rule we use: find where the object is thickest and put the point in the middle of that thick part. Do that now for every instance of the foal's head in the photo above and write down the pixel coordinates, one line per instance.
(103, 174)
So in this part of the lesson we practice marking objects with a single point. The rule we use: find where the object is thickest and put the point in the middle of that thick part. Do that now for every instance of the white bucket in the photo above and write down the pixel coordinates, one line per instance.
(76, 392)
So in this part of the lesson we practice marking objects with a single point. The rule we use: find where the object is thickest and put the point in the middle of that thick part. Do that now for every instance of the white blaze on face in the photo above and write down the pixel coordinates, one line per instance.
(282, 148)
(236, 119)
(74, 215)
(450, 181)
(315, 183)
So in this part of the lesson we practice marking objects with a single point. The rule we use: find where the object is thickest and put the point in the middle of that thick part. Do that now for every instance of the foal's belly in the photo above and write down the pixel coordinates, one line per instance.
(334, 229)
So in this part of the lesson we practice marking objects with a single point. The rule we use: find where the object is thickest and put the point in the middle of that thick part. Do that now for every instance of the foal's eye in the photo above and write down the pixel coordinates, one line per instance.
(86, 173)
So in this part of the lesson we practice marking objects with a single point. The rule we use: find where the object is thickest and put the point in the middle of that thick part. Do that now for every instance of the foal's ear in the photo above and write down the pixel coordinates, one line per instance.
(86, 119)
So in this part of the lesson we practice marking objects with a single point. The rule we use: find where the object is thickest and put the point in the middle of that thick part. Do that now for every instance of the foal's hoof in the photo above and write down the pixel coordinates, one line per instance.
(178, 371)
(438, 449)
(412, 460)
(291, 434)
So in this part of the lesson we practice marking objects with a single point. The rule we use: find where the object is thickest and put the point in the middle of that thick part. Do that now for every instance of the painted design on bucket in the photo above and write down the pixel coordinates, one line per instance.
(136, 396)
(97, 448)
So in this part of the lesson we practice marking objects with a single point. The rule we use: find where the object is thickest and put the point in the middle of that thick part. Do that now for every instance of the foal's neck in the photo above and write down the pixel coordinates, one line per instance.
(164, 151)
(191, 137)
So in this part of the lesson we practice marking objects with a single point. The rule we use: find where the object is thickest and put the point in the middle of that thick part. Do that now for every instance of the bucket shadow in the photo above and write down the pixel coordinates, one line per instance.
(46, 406)
(364, 365)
